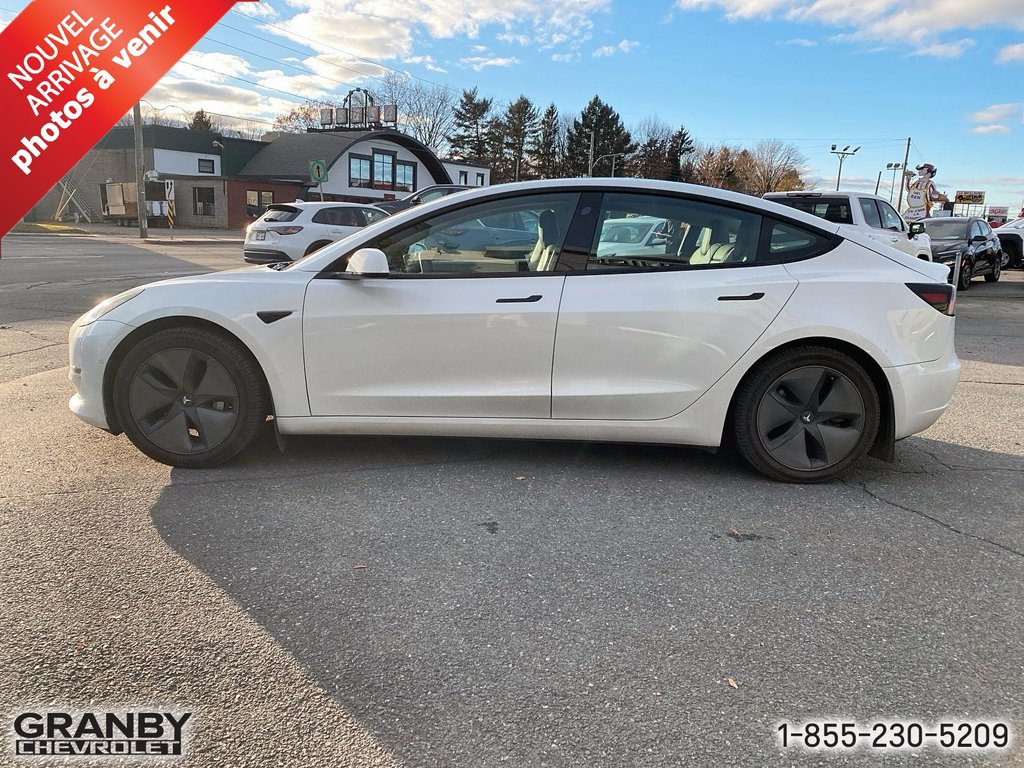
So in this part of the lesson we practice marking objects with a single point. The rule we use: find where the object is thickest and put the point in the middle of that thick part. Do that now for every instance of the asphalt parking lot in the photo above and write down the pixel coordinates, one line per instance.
(416, 603)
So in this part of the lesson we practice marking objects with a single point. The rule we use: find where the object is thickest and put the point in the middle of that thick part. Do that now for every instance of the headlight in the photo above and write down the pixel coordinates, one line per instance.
(107, 305)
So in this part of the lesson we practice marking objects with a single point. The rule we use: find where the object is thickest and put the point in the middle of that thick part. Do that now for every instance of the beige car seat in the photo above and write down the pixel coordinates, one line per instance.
(714, 238)
(545, 252)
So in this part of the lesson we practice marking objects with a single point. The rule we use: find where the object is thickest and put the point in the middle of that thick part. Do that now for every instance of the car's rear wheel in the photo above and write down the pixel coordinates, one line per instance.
(314, 247)
(997, 270)
(190, 397)
(966, 273)
(806, 414)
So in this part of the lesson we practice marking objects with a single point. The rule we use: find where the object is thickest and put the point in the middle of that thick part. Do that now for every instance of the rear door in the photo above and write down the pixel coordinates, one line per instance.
(641, 338)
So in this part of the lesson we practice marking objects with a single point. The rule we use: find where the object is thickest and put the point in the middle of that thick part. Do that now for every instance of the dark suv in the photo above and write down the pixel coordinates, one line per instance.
(973, 240)
(425, 195)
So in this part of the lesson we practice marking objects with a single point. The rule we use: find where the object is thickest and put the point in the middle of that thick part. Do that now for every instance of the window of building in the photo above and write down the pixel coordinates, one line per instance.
(405, 177)
(256, 202)
(464, 178)
(206, 165)
(479, 179)
(383, 170)
(359, 171)
(202, 201)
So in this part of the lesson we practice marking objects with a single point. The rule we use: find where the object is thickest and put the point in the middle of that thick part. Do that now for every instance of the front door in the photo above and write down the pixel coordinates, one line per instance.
(464, 326)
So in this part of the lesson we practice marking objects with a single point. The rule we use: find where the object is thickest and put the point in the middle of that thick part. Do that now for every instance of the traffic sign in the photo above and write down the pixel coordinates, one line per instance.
(317, 171)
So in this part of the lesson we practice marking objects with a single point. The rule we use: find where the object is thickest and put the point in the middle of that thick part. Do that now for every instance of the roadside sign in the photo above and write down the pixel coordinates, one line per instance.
(317, 171)
(969, 198)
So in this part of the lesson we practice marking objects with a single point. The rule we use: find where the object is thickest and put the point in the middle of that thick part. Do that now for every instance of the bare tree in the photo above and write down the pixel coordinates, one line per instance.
(302, 116)
(426, 111)
(717, 167)
(774, 166)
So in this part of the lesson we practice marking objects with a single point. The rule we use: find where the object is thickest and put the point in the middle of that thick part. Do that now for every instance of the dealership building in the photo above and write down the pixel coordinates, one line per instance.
(223, 183)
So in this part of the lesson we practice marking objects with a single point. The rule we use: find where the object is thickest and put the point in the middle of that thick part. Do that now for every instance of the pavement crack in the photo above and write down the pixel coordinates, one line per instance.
(997, 383)
(941, 523)
(34, 349)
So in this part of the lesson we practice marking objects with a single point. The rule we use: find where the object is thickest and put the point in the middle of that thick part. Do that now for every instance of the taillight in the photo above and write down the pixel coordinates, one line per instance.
(939, 295)
(286, 230)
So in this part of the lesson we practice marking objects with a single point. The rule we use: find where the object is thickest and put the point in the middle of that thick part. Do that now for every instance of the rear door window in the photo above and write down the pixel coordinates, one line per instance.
(870, 211)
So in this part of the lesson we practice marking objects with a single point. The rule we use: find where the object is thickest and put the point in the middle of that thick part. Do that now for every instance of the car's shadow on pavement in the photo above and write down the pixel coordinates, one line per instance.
(480, 602)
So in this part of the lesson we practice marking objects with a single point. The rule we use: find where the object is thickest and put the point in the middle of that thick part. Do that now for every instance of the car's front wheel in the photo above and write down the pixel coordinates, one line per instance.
(997, 270)
(806, 414)
(966, 273)
(190, 397)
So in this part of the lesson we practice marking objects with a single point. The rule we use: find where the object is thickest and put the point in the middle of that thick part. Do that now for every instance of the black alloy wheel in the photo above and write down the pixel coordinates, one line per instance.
(806, 415)
(190, 397)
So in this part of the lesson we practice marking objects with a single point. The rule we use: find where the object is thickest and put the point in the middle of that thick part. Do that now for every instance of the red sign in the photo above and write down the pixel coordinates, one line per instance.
(70, 69)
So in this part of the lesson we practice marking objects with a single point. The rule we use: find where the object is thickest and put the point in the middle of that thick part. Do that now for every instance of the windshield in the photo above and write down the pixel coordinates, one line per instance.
(1016, 224)
(946, 229)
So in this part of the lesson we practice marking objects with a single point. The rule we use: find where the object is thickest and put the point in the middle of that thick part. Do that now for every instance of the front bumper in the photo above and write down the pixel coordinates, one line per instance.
(90, 348)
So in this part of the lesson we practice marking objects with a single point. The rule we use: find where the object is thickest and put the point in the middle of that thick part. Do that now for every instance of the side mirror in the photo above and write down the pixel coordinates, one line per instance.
(979, 239)
(367, 262)
(916, 228)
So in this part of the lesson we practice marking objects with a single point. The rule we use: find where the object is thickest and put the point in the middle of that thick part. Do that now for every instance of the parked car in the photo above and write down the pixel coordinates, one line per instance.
(805, 344)
(870, 214)
(425, 195)
(289, 231)
(972, 240)
(1011, 237)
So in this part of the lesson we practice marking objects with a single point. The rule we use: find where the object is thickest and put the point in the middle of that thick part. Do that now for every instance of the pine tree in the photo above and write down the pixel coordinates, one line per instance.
(472, 118)
(610, 137)
(200, 121)
(521, 129)
(680, 146)
(544, 151)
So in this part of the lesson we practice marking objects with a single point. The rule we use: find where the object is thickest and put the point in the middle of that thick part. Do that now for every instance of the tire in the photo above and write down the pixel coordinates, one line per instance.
(314, 247)
(966, 273)
(190, 397)
(778, 416)
(997, 270)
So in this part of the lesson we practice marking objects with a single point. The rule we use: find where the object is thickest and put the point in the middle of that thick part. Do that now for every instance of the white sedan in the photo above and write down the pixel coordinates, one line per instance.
(756, 325)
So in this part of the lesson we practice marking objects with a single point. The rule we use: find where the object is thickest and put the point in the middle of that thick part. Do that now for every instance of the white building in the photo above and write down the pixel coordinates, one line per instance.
(362, 166)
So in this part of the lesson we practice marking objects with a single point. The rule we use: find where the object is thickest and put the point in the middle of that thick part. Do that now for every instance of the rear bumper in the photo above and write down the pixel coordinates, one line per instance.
(262, 256)
(922, 391)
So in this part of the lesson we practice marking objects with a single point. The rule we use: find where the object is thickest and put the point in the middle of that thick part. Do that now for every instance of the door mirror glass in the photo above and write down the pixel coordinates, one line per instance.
(368, 262)
(916, 228)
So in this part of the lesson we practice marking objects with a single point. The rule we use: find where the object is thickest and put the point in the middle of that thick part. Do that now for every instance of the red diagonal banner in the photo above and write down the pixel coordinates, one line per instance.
(70, 69)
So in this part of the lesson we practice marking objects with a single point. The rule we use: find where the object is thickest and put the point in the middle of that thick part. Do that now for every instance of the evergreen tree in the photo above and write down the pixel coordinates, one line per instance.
(544, 151)
(680, 147)
(521, 128)
(610, 137)
(469, 143)
(200, 121)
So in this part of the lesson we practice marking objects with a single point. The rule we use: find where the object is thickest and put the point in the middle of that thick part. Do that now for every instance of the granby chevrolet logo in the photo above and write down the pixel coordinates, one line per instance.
(105, 733)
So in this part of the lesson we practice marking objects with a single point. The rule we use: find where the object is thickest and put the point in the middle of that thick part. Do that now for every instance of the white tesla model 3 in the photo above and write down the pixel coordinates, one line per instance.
(503, 312)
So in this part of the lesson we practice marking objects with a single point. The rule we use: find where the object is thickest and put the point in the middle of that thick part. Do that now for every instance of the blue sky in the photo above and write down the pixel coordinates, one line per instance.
(947, 73)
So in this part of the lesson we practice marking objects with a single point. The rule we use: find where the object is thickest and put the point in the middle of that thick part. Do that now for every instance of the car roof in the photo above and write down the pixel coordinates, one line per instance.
(813, 193)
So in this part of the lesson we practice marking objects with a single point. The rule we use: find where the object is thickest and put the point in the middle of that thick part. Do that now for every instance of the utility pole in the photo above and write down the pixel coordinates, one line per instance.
(140, 170)
(906, 162)
(878, 182)
(590, 166)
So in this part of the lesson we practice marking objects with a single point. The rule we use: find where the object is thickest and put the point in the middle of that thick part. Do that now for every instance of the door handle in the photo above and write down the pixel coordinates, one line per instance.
(749, 297)
(894, 240)
(521, 299)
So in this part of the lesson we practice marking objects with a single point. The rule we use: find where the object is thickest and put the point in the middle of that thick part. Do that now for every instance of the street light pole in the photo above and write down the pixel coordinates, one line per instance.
(590, 167)
(894, 167)
(842, 154)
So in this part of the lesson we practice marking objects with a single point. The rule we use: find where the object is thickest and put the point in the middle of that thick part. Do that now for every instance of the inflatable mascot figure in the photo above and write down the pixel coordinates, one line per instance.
(922, 193)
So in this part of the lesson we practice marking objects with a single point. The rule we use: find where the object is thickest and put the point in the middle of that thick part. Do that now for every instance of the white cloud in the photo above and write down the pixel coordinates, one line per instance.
(565, 58)
(478, 63)
(916, 23)
(427, 62)
(998, 113)
(262, 9)
(1012, 53)
(508, 37)
(624, 46)
(989, 129)
(800, 42)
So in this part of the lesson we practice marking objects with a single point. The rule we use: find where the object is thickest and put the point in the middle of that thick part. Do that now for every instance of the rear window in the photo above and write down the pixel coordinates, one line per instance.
(281, 213)
(834, 209)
